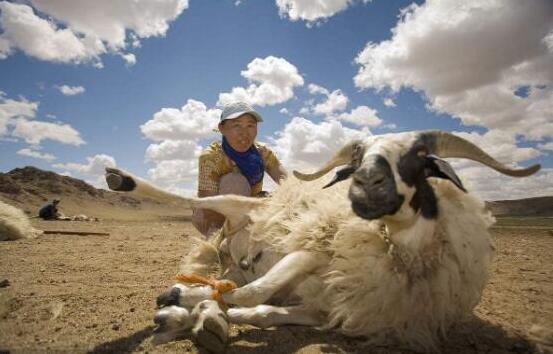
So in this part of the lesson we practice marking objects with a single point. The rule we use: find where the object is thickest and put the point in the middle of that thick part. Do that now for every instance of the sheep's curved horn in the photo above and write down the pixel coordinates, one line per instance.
(450, 145)
(344, 156)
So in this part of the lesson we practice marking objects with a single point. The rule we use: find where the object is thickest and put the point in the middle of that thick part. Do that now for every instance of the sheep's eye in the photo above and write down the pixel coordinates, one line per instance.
(257, 257)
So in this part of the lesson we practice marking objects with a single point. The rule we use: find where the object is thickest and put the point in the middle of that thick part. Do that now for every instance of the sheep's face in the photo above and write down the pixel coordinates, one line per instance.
(391, 177)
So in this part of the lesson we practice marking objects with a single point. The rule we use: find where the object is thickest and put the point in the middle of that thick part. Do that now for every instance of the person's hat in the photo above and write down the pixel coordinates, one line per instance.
(236, 109)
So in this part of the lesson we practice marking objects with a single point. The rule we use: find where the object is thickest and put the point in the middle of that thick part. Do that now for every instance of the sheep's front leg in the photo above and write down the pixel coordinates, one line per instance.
(293, 267)
(264, 316)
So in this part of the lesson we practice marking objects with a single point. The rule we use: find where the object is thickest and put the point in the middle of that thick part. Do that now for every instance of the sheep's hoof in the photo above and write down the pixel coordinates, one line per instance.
(118, 181)
(169, 297)
(211, 329)
(171, 322)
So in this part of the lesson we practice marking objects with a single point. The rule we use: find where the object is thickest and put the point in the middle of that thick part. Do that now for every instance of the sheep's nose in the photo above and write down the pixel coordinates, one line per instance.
(244, 264)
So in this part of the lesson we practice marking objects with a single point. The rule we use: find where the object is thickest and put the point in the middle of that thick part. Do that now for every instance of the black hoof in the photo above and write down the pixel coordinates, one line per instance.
(120, 183)
(169, 298)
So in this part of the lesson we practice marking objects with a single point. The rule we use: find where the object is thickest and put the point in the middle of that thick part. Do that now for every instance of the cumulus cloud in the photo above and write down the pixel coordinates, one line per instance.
(130, 59)
(94, 167)
(388, 102)
(335, 101)
(469, 58)
(546, 146)
(11, 109)
(70, 90)
(33, 132)
(178, 132)
(36, 154)
(173, 150)
(362, 116)
(312, 11)
(491, 185)
(272, 80)
(174, 172)
(74, 32)
(17, 121)
(304, 144)
(192, 121)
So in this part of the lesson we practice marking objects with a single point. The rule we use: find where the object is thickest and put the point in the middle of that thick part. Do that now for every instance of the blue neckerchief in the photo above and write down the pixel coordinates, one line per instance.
(248, 162)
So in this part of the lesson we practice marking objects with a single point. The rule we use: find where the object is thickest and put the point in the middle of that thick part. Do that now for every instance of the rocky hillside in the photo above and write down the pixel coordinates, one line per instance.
(29, 188)
(540, 206)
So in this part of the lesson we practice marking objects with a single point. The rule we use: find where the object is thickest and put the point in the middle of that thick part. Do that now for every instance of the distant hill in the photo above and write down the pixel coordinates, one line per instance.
(29, 188)
(539, 206)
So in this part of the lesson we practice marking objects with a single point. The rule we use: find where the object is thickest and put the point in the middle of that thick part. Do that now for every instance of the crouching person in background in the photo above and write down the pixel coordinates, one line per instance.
(50, 211)
(234, 165)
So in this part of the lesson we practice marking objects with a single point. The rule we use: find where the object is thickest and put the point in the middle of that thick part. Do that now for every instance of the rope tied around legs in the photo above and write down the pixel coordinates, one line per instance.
(219, 286)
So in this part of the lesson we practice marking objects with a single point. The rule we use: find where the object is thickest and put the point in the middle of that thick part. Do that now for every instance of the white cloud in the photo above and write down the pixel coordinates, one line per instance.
(468, 58)
(546, 146)
(362, 116)
(130, 59)
(312, 10)
(70, 90)
(178, 132)
(36, 154)
(42, 39)
(95, 167)
(388, 102)
(173, 172)
(192, 121)
(173, 150)
(284, 111)
(335, 101)
(11, 109)
(33, 132)
(491, 185)
(272, 80)
(316, 89)
(304, 144)
(80, 31)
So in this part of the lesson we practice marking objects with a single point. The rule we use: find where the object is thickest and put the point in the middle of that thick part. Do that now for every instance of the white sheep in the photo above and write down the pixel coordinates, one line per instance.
(14, 224)
(401, 253)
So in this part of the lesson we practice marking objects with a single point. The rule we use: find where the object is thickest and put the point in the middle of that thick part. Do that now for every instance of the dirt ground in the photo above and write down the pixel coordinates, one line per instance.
(96, 294)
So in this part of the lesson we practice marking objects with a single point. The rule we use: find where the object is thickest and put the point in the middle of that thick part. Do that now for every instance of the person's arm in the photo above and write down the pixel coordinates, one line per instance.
(277, 173)
(206, 220)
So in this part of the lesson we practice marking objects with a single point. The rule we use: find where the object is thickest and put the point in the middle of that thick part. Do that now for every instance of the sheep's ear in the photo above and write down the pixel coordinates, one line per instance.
(341, 175)
(436, 167)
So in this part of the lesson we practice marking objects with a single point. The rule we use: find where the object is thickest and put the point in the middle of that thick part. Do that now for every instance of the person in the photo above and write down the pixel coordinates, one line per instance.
(50, 210)
(235, 164)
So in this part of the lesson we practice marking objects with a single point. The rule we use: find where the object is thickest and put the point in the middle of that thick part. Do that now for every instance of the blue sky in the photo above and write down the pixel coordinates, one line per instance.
(139, 84)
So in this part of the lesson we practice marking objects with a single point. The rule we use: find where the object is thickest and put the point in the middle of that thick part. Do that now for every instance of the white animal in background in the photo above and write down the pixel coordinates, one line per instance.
(14, 224)
(402, 251)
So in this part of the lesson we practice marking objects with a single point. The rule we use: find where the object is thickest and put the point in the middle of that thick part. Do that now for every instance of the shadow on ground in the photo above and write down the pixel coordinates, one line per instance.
(125, 344)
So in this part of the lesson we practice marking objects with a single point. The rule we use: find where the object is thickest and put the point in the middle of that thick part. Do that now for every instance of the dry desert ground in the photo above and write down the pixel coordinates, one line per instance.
(96, 294)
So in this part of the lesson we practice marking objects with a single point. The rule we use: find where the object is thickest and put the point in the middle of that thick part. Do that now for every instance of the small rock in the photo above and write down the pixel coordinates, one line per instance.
(131, 309)
(4, 283)
(115, 327)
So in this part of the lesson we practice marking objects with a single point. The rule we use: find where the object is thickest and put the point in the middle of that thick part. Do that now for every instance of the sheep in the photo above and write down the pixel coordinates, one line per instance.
(402, 252)
(14, 224)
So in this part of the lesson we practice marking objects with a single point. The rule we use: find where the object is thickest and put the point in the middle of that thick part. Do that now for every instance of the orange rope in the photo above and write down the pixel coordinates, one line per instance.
(219, 286)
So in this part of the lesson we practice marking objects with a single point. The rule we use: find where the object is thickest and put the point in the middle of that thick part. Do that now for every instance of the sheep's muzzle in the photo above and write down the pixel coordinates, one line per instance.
(373, 191)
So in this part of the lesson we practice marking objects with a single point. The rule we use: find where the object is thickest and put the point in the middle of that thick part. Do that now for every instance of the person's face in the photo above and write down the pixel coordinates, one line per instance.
(240, 132)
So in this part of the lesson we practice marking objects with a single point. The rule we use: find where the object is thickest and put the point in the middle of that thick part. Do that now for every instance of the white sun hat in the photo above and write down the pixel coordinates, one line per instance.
(236, 109)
